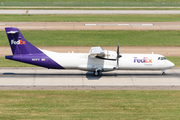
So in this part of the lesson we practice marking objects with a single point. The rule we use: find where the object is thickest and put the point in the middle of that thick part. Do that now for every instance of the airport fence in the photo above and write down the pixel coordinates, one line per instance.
(93, 4)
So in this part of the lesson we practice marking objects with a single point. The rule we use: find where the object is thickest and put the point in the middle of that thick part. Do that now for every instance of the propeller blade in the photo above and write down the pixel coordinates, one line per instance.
(117, 57)
(118, 50)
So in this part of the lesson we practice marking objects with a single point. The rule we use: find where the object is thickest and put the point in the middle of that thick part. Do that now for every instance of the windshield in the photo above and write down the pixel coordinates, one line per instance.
(161, 58)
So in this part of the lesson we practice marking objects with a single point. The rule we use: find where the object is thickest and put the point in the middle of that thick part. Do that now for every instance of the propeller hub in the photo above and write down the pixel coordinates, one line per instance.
(119, 56)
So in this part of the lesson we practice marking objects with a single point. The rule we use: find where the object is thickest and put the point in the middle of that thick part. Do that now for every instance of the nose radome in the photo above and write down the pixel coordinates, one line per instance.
(171, 64)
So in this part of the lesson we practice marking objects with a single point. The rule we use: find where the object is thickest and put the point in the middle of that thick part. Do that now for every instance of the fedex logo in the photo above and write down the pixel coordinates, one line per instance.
(19, 42)
(144, 60)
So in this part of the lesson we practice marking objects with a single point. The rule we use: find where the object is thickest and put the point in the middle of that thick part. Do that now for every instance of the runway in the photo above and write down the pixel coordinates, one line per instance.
(92, 25)
(29, 78)
(89, 11)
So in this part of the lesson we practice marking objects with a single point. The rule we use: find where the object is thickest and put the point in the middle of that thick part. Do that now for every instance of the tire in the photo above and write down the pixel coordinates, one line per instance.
(96, 73)
(163, 73)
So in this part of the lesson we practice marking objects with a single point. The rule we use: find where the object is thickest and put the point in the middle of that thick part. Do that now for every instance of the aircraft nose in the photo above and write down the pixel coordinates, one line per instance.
(171, 64)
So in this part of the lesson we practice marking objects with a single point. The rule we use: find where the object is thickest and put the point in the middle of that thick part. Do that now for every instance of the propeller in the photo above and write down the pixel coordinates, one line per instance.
(118, 56)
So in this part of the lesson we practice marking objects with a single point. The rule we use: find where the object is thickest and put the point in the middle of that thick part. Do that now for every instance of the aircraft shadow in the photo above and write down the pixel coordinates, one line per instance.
(89, 75)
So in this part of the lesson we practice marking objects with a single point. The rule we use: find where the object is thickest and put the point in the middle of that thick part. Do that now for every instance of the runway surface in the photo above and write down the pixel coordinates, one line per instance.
(30, 78)
(166, 51)
(92, 25)
(89, 11)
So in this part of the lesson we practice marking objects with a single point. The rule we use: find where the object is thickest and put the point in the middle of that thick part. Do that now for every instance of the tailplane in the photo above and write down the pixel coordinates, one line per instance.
(19, 45)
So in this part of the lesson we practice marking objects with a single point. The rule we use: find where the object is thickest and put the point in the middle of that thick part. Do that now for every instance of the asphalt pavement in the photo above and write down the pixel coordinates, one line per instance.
(75, 79)
(92, 25)
(89, 11)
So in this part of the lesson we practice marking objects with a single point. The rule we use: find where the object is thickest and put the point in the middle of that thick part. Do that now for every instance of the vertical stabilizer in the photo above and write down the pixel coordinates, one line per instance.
(19, 45)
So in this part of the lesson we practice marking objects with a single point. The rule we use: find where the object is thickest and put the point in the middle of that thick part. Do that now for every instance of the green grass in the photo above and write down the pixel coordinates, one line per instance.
(9, 63)
(86, 105)
(90, 8)
(98, 38)
(90, 18)
(93, 3)
(89, 1)
(175, 60)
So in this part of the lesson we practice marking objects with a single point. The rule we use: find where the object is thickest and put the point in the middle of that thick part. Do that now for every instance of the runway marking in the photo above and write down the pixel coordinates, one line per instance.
(147, 24)
(89, 24)
(2, 23)
(123, 24)
(107, 24)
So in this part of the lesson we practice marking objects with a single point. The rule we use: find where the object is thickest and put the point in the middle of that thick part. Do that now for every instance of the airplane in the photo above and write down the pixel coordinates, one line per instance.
(97, 60)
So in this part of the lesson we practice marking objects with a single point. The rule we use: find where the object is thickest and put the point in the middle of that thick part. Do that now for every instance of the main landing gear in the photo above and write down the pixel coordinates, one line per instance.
(97, 71)
(163, 72)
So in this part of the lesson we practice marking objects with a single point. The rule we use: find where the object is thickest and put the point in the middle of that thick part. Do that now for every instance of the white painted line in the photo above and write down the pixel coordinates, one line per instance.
(106, 24)
(2, 23)
(123, 24)
(147, 24)
(90, 24)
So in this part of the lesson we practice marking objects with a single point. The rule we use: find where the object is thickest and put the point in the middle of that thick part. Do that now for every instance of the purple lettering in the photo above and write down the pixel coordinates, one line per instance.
(144, 60)
(135, 58)
(139, 60)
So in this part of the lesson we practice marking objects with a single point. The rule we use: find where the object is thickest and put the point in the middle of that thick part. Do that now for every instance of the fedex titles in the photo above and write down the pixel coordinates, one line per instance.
(144, 60)
(19, 42)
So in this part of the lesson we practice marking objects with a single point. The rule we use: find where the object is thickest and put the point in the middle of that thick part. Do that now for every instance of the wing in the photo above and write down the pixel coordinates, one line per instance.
(100, 53)
(96, 51)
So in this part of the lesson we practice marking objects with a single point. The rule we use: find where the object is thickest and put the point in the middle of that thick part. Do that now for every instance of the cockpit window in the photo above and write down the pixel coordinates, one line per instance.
(161, 58)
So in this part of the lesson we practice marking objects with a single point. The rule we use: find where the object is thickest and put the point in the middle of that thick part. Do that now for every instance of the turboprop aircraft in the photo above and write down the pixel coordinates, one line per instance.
(97, 60)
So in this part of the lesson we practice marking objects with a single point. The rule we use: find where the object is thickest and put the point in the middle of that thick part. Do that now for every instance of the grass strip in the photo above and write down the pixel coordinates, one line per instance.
(98, 38)
(101, 105)
(90, 18)
(10, 63)
(90, 8)
(175, 60)
(89, 1)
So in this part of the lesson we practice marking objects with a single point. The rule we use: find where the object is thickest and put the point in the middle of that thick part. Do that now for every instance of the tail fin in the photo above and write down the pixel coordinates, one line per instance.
(19, 45)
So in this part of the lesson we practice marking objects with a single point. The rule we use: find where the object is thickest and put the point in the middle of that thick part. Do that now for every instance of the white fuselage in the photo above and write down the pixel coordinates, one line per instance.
(83, 61)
